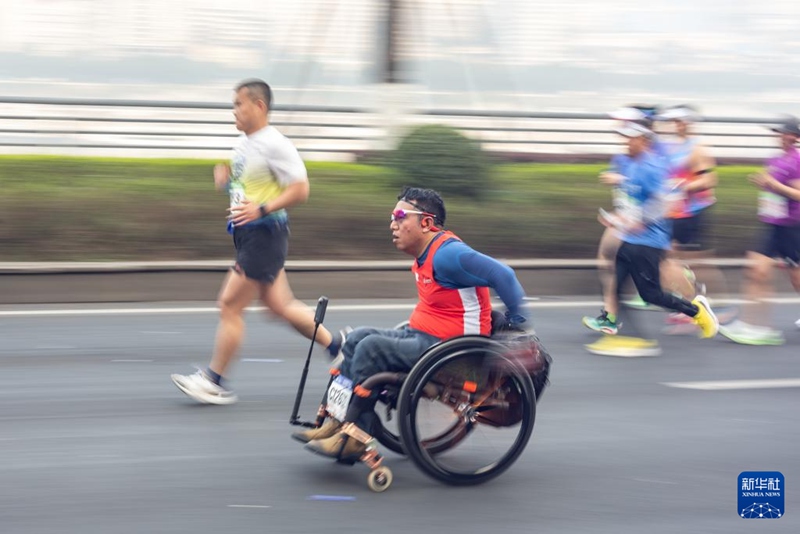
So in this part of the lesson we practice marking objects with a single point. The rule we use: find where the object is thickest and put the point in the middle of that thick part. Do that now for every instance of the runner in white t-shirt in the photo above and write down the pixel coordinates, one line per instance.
(266, 175)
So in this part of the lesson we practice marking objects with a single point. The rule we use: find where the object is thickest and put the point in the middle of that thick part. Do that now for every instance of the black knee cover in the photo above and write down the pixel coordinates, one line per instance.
(362, 412)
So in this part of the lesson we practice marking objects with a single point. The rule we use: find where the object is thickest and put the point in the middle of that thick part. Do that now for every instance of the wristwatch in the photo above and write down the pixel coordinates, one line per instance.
(263, 210)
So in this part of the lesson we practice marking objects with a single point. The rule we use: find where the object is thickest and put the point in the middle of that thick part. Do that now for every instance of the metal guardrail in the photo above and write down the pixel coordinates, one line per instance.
(173, 104)
(88, 267)
(148, 126)
(95, 282)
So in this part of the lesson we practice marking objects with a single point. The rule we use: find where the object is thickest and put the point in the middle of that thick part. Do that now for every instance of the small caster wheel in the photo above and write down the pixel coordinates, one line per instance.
(379, 479)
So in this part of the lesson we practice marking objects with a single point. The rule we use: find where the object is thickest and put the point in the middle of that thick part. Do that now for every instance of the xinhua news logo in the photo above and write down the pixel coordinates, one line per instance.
(761, 495)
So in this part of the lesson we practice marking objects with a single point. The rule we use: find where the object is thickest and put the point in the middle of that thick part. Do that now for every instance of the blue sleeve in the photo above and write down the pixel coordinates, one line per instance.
(660, 148)
(457, 266)
(617, 163)
(653, 179)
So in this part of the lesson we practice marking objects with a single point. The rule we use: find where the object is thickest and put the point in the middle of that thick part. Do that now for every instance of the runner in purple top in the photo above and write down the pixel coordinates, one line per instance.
(779, 212)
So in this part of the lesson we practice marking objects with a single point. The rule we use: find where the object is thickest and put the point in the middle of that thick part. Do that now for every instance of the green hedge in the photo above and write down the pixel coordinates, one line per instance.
(55, 208)
(442, 158)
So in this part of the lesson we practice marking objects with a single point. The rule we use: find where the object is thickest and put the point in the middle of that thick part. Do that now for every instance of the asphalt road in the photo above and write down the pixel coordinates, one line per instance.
(95, 438)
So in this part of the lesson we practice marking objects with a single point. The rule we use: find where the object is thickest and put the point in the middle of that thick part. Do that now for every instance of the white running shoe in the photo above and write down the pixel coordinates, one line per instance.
(200, 388)
(747, 334)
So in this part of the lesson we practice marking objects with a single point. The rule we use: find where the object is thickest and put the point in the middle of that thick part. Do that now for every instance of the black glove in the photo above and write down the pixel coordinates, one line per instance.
(505, 324)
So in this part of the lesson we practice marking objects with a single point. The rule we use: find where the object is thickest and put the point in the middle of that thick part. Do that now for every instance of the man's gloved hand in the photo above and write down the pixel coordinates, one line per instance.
(513, 323)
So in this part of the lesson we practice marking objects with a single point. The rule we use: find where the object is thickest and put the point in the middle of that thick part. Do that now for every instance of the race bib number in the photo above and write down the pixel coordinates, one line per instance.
(619, 198)
(676, 198)
(772, 205)
(627, 208)
(676, 191)
(236, 191)
(339, 393)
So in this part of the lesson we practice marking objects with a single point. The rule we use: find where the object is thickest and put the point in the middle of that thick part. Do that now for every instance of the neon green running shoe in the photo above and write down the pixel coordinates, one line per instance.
(601, 323)
(748, 334)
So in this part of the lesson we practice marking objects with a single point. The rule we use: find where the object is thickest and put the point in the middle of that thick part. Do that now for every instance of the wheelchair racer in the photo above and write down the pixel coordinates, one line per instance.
(453, 282)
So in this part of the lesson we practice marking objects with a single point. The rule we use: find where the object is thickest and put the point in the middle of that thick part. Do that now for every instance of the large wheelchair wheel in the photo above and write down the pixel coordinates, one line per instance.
(388, 429)
(466, 411)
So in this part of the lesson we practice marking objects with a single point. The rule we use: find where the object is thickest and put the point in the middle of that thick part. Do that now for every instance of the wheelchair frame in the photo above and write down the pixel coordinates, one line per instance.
(500, 393)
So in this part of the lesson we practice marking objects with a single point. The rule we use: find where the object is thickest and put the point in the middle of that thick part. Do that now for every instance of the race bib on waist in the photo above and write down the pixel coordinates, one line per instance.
(619, 198)
(236, 192)
(677, 198)
(339, 393)
(627, 207)
(772, 205)
(676, 191)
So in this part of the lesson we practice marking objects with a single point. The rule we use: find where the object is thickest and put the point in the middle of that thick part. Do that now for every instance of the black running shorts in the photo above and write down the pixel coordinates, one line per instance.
(690, 233)
(779, 242)
(261, 250)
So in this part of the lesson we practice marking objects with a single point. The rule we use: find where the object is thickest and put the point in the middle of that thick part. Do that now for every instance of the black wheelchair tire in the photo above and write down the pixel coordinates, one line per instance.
(410, 394)
(388, 439)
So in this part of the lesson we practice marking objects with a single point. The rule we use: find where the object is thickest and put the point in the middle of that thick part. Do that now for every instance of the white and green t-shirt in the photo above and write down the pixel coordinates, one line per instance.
(262, 166)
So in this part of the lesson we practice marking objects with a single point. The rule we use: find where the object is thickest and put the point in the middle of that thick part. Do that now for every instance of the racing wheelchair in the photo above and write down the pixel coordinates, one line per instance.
(463, 414)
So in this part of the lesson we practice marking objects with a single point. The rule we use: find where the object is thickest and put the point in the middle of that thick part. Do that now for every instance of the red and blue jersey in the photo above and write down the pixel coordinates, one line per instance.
(453, 282)
(682, 204)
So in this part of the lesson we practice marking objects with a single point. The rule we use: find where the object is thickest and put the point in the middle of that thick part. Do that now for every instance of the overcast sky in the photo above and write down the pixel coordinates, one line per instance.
(735, 56)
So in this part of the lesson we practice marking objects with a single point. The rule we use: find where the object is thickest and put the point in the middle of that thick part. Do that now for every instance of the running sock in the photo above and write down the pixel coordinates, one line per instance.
(214, 377)
(612, 317)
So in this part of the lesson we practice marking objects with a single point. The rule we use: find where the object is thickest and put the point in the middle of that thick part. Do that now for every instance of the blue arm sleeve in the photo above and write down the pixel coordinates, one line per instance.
(660, 148)
(457, 266)
(658, 175)
(617, 163)
(653, 188)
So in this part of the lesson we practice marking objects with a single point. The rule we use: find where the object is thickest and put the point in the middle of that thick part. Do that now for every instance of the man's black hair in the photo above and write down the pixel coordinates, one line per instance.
(259, 90)
(426, 200)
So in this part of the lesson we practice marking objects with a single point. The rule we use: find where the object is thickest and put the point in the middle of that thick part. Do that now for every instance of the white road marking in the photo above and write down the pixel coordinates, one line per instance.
(157, 332)
(335, 307)
(718, 385)
(248, 506)
(100, 311)
(70, 461)
(651, 481)
(262, 360)
(131, 361)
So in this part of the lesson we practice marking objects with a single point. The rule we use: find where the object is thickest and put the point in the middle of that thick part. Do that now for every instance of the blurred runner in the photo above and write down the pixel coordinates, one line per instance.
(266, 176)
(610, 240)
(779, 211)
(640, 221)
(692, 180)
